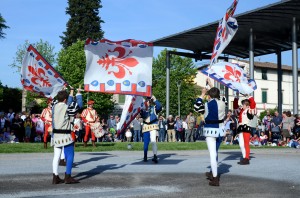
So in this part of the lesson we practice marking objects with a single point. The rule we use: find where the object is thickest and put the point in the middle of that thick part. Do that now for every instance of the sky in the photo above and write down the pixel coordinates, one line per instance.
(144, 20)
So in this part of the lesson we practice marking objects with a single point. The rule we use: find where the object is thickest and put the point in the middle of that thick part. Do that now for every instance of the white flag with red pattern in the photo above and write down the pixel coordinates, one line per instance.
(37, 75)
(120, 67)
(226, 30)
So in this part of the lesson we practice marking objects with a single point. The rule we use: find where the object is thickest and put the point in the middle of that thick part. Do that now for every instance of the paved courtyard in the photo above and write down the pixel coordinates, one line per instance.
(271, 173)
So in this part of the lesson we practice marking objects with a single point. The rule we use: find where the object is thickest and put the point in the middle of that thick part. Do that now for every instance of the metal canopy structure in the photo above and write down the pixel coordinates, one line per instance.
(271, 25)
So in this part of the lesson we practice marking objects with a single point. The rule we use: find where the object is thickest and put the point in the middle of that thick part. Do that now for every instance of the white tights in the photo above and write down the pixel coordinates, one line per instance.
(153, 141)
(211, 145)
(241, 143)
(58, 154)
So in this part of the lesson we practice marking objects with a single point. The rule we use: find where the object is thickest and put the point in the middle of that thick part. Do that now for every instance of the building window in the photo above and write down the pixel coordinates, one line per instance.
(264, 74)
(121, 99)
(264, 96)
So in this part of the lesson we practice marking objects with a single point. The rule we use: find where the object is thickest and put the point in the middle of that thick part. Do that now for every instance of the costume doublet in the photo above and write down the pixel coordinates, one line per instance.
(89, 117)
(214, 113)
(63, 117)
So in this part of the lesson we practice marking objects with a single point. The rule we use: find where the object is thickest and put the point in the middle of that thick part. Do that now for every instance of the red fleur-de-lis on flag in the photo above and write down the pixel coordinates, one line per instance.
(232, 74)
(39, 77)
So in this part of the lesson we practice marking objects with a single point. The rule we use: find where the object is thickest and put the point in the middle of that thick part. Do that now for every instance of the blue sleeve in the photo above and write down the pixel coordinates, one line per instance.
(158, 106)
(70, 100)
(79, 100)
(144, 114)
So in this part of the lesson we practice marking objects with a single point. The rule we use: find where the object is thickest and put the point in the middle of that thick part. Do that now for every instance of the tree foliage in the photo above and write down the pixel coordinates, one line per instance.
(84, 21)
(10, 98)
(43, 47)
(2, 27)
(181, 71)
(72, 65)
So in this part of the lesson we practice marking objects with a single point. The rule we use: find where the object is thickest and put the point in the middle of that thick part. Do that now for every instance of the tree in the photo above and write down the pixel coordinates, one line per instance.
(46, 50)
(84, 21)
(43, 47)
(72, 64)
(2, 27)
(10, 98)
(181, 70)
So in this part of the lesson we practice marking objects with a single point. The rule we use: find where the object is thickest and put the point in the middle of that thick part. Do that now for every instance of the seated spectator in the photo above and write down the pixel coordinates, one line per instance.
(1, 138)
(228, 138)
(236, 140)
(38, 138)
(254, 141)
(263, 138)
(294, 142)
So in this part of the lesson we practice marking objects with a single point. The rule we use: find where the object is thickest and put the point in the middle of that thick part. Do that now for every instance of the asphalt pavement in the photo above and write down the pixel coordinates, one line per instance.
(271, 173)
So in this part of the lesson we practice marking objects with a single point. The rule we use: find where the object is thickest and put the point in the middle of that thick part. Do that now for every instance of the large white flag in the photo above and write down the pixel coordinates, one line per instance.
(37, 75)
(226, 30)
(122, 67)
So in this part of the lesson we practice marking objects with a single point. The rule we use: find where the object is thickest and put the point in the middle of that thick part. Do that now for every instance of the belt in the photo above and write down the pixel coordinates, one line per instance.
(62, 131)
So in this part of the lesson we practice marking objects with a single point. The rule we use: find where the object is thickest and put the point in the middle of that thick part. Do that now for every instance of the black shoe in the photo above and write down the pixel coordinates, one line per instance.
(62, 162)
(155, 159)
(244, 161)
(145, 159)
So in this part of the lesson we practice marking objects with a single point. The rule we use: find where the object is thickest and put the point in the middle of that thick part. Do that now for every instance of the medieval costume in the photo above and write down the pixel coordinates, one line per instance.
(150, 126)
(89, 117)
(246, 114)
(214, 113)
(63, 117)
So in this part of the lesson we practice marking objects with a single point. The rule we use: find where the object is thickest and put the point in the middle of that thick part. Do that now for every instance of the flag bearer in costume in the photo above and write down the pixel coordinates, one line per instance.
(245, 114)
(46, 117)
(214, 113)
(62, 118)
(89, 117)
(150, 126)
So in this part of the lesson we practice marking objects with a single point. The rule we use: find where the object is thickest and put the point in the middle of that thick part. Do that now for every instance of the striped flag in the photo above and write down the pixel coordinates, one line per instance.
(132, 107)
(37, 75)
(121, 67)
(226, 30)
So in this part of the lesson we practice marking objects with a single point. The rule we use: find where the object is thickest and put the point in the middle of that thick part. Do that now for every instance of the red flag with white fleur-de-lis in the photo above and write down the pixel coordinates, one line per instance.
(118, 67)
(37, 75)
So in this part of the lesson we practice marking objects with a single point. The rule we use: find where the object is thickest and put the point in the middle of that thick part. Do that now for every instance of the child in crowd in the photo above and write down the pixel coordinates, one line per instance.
(263, 138)
(254, 141)
(27, 126)
(128, 135)
(38, 138)
(228, 138)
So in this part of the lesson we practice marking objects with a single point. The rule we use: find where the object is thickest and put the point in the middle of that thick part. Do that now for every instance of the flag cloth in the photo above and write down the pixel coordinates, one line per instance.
(37, 75)
(232, 76)
(226, 30)
(132, 107)
(122, 67)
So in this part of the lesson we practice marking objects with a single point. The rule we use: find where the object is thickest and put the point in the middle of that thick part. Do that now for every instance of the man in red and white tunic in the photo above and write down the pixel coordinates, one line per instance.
(246, 114)
(46, 117)
(89, 117)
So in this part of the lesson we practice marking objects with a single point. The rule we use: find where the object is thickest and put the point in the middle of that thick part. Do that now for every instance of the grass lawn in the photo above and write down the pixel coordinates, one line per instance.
(113, 146)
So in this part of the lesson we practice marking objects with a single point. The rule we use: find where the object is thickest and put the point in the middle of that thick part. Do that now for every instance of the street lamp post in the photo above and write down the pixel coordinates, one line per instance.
(178, 85)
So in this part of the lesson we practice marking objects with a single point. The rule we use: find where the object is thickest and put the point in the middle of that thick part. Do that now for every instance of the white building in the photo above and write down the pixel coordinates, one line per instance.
(266, 95)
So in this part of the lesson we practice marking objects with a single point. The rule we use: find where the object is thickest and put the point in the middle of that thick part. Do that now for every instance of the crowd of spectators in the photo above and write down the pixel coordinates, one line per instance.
(272, 130)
